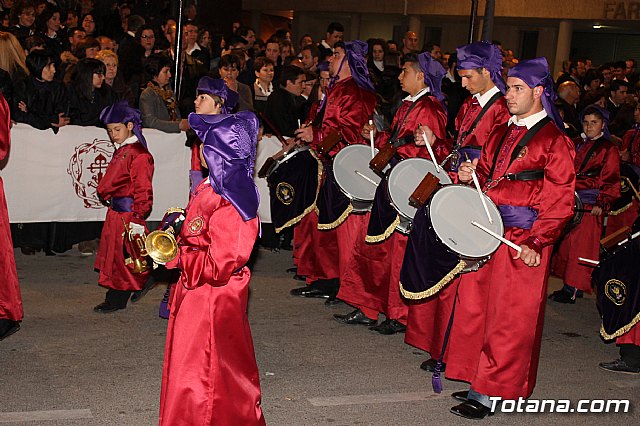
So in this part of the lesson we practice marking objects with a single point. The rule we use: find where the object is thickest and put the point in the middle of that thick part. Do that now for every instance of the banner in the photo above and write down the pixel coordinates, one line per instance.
(53, 177)
(267, 147)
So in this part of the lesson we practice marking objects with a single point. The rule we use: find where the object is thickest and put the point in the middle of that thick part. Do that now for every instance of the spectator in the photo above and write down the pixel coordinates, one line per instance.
(204, 41)
(618, 93)
(71, 18)
(309, 57)
(88, 94)
(410, 43)
(48, 26)
(157, 103)
(74, 37)
(392, 46)
(286, 50)
(34, 43)
(375, 60)
(106, 43)
(87, 48)
(305, 40)
(146, 37)
(191, 46)
(39, 100)
(12, 62)
(21, 19)
(335, 33)
(114, 78)
(217, 46)
(249, 35)
(89, 25)
(229, 70)
(263, 86)
(284, 106)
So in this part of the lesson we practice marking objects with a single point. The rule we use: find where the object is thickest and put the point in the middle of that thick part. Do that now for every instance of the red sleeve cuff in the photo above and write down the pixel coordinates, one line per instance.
(534, 244)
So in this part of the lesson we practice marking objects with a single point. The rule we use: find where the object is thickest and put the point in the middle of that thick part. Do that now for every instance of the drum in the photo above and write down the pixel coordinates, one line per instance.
(293, 186)
(354, 177)
(578, 212)
(443, 242)
(629, 184)
(403, 180)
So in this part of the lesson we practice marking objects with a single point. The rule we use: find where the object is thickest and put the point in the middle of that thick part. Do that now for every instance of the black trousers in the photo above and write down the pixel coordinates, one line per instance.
(630, 354)
(117, 298)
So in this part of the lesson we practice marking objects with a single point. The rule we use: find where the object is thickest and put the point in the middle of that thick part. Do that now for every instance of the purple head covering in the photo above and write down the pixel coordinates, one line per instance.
(482, 54)
(229, 149)
(433, 74)
(605, 118)
(216, 86)
(356, 56)
(322, 66)
(535, 72)
(121, 112)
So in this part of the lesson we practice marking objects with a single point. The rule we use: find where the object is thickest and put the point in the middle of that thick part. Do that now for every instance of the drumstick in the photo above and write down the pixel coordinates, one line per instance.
(363, 176)
(593, 262)
(428, 145)
(496, 236)
(477, 185)
(627, 239)
(373, 153)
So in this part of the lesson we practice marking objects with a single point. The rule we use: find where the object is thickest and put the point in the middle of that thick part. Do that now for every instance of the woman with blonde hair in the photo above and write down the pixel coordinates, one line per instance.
(113, 77)
(12, 57)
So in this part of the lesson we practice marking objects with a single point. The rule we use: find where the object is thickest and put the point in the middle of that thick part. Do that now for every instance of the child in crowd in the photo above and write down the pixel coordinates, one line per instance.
(126, 188)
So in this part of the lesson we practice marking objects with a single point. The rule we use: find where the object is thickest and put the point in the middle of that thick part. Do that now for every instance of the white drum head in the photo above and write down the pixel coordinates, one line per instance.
(348, 167)
(452, 208)
(405, 178)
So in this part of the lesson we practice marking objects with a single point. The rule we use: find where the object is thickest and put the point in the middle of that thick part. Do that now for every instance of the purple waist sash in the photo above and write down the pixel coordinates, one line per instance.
(517, 216)
(588, 196)
(122, 204)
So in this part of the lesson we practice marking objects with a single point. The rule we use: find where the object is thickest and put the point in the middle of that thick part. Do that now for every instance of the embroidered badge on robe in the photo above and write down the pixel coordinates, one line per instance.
(195, 225)
(523, 154)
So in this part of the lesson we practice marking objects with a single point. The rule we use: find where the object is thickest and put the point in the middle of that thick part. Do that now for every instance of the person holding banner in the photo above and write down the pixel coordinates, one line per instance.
(126, 188)
(210, 375)
(371, 281)
(597, 165)
(526, 168)
(11, 312)
(479, 65)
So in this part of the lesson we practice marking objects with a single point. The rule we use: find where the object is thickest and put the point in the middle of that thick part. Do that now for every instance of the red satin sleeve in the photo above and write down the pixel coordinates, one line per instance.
(5, 126)
(142, 182)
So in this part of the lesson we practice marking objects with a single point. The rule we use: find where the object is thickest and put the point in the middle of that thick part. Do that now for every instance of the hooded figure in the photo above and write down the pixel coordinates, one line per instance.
(433, 75)
(121, 112)
(482, 54)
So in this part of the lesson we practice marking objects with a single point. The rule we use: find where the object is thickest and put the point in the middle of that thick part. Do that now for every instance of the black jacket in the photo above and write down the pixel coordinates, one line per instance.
(44, 100)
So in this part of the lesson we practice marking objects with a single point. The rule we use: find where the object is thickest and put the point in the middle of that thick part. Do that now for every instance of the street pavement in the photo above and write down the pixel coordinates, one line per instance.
(71, 366)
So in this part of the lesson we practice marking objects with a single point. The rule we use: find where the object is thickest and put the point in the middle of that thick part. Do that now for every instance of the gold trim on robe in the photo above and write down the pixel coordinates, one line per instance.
(386, 234)
(436, 288)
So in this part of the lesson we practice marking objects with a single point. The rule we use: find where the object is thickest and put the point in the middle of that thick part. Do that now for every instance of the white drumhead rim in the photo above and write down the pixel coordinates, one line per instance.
(365, 170)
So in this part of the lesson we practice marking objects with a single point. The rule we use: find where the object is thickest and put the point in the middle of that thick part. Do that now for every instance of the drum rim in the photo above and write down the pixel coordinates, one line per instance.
(443, 240)
(347, 194)
(388, 177)
(295, 151)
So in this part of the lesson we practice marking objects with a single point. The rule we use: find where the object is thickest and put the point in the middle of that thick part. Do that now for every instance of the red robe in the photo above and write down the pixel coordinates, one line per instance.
(10, 299)
(129, 174)
(210, 375)
(495, 339)
(427, 320)
(584, 240)
(630, 144)
(347, 110)
(370, 283)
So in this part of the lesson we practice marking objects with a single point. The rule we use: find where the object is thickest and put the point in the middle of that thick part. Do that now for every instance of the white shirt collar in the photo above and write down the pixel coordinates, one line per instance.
(326, 46)
(584, 137)
(195, 47)
(529, 121)
(269, 90)
(418, 95)
(379, 65)
(483, 99)
(614, 104)
(450, 76)
(129, 141)
(131, 33)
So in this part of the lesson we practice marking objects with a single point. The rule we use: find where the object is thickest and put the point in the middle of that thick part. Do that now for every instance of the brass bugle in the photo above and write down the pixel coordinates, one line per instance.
(161, 246)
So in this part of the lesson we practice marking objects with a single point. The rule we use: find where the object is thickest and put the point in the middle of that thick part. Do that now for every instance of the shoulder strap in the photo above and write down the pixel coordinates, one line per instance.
(394, 137)
(484, 110)
(523, 142)
(590, 153)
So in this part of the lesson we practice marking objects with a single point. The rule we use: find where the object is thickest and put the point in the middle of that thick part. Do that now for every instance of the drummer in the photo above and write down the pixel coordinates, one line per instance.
(479, 65)
(347, 107)
(496, 333)
(597, 165)
(371, 281)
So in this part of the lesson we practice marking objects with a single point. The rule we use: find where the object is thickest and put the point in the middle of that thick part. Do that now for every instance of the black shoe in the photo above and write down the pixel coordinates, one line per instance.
(8, 327)
(619, 366)
(106, 308)
(332, 300)
(28, 251)
(299, 277)
(389, 327)
(309, 291)
(461, 396)
(137, 295)
(471, 409)
(430, 365)
(293, 270)
(286, 246)
(355, 317)
(562, 296)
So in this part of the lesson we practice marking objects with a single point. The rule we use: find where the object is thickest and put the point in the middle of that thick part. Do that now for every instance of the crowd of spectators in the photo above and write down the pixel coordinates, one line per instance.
(61, 66)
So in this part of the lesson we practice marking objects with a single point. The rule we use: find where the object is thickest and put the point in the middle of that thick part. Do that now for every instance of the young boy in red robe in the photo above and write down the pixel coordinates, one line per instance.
(127, 190)
(210, 375)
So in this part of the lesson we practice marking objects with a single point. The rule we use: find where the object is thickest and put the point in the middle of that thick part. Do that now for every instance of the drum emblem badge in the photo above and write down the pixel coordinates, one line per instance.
(624, 184)
(523, 154)
(285, 193)
(616, 291)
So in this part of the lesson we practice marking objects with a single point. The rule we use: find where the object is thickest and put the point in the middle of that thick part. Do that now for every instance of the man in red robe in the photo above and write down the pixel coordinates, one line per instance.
(210, 375)
(348, 105)
(479, 65)
(371, 281)
(526, 168)
(11, 312)
(597, 165)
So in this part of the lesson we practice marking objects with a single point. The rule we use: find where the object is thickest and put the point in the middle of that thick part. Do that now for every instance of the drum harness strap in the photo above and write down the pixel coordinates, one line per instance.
(525, 175)
(436, 382)
(594, 171)
(460, 137)
(393, 140)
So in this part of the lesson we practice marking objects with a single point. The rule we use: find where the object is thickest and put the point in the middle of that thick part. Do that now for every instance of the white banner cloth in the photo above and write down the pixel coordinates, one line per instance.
(266, 148)
(53, 177)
